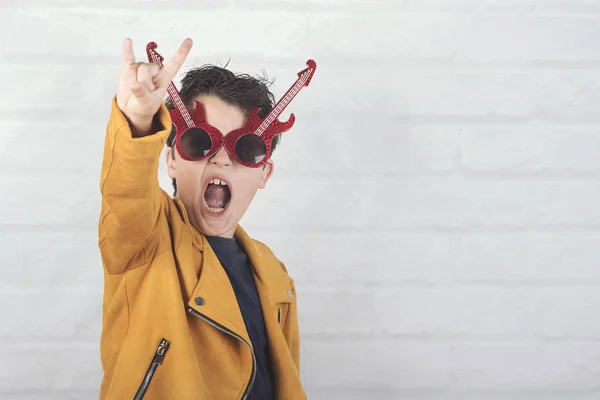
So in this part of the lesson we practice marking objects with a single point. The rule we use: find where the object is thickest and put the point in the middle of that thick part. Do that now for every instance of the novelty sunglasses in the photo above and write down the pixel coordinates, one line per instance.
(250, 145)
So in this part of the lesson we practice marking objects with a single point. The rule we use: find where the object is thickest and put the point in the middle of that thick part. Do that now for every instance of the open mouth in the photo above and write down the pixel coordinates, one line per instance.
(217, 196)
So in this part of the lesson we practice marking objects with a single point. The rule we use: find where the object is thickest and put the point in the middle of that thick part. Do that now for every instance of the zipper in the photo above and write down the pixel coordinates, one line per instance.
(235, 335)
(156, 361)
(279, 316)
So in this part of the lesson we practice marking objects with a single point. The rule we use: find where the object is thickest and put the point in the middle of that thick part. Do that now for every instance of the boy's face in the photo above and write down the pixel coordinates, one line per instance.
(216, 209)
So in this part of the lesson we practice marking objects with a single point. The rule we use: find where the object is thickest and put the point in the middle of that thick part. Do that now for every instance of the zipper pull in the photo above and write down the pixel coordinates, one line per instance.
(160, 352)
(279, 316)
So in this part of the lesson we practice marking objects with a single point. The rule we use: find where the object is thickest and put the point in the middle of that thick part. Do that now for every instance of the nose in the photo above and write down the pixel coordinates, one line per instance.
(221, 158)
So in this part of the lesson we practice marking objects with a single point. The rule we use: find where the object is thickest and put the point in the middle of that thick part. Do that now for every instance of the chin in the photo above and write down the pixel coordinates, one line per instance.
(216, 224)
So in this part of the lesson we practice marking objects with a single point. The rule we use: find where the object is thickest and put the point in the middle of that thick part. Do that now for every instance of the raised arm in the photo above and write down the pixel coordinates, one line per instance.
(137, 130)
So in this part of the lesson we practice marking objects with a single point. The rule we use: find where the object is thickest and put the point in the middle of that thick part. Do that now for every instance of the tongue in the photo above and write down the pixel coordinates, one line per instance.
(217, 196)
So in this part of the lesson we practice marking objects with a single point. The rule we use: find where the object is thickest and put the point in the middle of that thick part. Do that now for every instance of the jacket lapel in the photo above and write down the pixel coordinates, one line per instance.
(266, 268)
(213, 295)
(274, 290)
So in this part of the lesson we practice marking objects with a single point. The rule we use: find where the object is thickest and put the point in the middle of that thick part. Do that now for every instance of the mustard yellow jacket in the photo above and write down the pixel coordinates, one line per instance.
(172, 328)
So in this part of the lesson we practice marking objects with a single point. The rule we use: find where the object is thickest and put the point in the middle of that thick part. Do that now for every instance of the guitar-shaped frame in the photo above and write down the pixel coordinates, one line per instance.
(249, 145)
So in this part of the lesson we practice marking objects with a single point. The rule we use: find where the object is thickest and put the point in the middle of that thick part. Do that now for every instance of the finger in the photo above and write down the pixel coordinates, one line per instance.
(140, 92)
(170, 69)
(128, 55)
(146, 73)
(130, 74)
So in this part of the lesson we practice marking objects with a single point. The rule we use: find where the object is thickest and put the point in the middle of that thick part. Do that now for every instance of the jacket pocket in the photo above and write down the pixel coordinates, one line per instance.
(282, 311)
(156, 361)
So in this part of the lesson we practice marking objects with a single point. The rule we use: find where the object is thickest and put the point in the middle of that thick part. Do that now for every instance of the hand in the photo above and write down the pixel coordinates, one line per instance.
(142, 86)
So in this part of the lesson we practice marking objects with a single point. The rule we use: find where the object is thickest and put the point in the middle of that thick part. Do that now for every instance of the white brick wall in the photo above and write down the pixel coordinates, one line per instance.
(444, 238)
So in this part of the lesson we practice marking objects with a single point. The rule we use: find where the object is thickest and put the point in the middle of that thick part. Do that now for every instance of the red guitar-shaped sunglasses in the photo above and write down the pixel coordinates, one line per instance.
(249, 145)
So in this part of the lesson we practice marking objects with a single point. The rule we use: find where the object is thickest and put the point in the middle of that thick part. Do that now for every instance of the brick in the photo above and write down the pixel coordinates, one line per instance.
(530, 38)
(569, 313)
(11, 256)
(86, 93)
(385, 392)
(49, 366)
(548, 367)
(433, 97)
(53, 314)
(473, 7)
(572, 204)
(60, 146)
(363, 35)
(433, 36)
(134, 5)
(356, 145)
(576, 7)
(530, 148)
(428, 96)
(85, 31)
(570, 96)
(420, 312)
(357, 258)
(427, 202)
(424, 95)
(475, 368)
(73, 252)
(350, 393)
(50, 395)
(529, 258)
(271, 5)
(87, 90)
(77, 204)
(43, 83)
(363, 8)
(388, 363)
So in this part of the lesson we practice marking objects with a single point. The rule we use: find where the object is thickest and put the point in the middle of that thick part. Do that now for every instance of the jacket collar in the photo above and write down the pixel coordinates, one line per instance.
(197, 239)
(220, 303)
(267, 268)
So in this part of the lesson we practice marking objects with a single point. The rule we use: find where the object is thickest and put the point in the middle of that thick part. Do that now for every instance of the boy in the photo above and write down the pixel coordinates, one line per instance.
(193, 307)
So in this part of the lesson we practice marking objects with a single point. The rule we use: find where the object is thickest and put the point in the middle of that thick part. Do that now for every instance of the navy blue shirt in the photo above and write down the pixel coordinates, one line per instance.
(237, 266)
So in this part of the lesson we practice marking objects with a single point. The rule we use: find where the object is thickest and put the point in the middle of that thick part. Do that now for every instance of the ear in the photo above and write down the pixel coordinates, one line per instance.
(267, 171)
(170, 159)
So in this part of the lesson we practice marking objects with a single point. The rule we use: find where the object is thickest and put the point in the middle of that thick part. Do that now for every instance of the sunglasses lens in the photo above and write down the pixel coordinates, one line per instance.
(250, 149)
(195, 143)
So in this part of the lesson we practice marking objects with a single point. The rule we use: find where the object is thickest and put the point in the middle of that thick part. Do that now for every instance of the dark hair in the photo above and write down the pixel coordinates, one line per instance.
(242, 90)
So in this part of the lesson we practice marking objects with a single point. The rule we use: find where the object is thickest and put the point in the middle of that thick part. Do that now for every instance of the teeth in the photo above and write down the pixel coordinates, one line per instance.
(216, 210)
(217, 182)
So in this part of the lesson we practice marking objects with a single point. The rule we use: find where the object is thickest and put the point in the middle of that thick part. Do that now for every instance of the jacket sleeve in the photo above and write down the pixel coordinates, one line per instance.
(132, 200)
